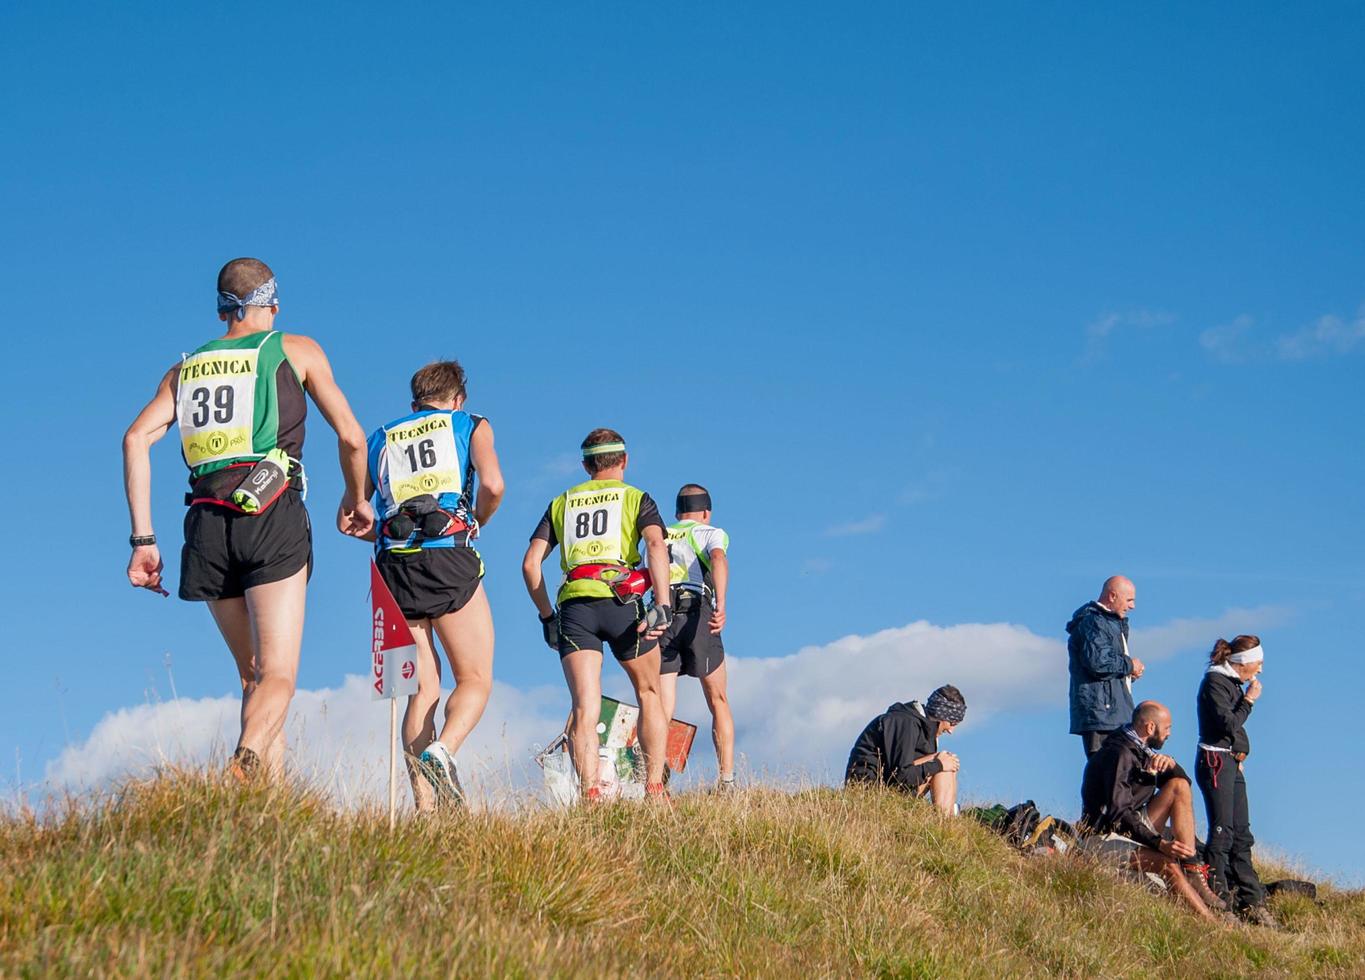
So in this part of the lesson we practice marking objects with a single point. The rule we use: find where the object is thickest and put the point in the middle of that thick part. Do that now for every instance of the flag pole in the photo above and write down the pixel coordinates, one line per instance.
(393, 761)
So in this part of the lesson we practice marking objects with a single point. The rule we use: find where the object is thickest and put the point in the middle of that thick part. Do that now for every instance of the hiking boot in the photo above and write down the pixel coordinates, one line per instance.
(1260, 915)
(244, 766)
(725, 787)
(1198, 877)
(437, 765)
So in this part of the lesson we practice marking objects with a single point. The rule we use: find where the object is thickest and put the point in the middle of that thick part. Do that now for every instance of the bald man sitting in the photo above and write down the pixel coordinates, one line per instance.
(1102, 671)
(1134, 797)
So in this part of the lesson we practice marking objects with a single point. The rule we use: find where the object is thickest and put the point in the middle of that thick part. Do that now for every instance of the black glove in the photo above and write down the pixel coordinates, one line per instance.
(658, 616)
(549, 628)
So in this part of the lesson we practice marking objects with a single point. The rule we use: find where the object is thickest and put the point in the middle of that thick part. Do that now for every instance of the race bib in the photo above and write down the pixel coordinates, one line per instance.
(216, 405)
(592, 526)
(421, 457)
(681, 557)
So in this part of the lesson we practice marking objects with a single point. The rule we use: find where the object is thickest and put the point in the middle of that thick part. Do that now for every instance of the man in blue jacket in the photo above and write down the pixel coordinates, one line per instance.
(1102, 671)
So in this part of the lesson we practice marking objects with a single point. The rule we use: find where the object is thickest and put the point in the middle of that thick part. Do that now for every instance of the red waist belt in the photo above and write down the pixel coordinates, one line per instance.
(626, 583)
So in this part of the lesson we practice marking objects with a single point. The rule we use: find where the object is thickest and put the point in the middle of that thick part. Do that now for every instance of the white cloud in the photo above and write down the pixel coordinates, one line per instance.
(1237, 342)
(868, 525)
(1227, 342)
(1099, 330)
(1328, 335)
(338, 739)
(795, 715)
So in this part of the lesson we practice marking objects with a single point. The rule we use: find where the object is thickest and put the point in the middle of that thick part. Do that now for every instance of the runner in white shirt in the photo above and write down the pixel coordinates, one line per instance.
(699, 573)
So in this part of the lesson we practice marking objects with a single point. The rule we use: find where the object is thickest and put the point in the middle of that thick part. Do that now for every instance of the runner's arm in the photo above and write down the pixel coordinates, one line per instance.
(144, 567)
(533, 575)
(355, 516)
(720, 582)
(490, 473)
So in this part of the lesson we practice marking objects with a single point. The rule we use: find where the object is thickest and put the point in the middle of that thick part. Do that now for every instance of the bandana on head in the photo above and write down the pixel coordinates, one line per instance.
(938, 706)
(266, 294)
(602, 448)
(1253, 656)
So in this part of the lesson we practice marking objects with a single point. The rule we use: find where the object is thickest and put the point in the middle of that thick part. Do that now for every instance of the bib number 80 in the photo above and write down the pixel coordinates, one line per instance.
(590, 523)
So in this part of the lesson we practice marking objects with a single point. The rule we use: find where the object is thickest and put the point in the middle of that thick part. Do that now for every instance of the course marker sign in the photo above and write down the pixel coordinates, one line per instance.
(393, 652)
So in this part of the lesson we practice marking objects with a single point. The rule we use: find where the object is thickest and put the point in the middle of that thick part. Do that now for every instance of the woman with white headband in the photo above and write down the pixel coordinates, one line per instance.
(1224, 705)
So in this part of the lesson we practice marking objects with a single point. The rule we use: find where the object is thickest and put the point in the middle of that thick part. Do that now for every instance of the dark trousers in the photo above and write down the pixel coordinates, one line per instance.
(1228, 850)
(1091, 741)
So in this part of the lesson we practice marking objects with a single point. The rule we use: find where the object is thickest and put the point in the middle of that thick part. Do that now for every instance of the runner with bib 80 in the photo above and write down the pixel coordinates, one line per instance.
(598, 526)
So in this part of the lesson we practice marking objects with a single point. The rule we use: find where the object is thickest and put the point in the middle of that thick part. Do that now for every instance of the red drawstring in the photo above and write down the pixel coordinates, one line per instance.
(1214, 760)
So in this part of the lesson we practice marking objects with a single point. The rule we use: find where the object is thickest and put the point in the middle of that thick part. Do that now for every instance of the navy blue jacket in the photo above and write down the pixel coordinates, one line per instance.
(1100, 700)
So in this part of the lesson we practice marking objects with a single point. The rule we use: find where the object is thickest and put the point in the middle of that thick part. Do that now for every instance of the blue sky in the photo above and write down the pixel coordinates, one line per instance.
(955, 312)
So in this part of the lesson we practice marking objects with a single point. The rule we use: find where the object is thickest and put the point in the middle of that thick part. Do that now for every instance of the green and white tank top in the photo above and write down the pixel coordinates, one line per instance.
(689, 553)
(237, 398)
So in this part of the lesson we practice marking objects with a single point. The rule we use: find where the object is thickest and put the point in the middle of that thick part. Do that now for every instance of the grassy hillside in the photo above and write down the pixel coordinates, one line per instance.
(185, 876)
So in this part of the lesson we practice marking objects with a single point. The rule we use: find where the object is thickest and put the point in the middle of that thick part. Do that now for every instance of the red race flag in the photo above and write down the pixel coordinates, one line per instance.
(393, 670)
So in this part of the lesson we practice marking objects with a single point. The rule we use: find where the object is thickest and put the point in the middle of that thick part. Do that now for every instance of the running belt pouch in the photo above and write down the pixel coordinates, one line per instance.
(262, 485)
(218, 487)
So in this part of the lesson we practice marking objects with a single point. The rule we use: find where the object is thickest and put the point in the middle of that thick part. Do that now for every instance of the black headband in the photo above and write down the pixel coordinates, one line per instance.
(690, 503)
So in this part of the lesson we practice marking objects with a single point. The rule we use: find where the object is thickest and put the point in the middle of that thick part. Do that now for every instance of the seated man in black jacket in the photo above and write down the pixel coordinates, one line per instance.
(1131, 792)
(900, 748)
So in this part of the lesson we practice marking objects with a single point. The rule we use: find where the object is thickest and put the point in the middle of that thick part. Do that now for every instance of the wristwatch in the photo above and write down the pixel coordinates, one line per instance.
(141, 540)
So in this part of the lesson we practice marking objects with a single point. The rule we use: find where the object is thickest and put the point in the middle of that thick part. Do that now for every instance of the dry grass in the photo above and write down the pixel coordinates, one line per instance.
(184, 876)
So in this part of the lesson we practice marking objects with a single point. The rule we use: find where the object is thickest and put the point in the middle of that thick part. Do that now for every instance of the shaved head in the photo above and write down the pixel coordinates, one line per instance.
(1118, 594)
(1151, 711)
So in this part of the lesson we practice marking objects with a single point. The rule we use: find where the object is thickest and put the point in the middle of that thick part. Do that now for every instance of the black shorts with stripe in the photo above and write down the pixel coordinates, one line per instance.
(586, 624)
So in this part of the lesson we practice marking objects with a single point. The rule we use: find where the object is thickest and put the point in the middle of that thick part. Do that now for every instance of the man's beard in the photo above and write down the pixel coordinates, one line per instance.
(1155, 742)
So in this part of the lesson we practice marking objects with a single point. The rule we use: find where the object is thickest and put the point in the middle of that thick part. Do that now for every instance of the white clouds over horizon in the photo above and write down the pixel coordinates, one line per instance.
(796, 715)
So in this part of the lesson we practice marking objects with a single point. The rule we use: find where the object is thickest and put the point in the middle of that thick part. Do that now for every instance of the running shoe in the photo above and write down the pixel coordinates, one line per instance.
(438, 766)
(244, 766)
(658, 793)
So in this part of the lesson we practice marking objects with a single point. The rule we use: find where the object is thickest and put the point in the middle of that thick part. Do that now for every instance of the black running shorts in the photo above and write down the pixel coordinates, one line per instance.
(226, 553)
(431, 582)
(689, 647)
(585, 624)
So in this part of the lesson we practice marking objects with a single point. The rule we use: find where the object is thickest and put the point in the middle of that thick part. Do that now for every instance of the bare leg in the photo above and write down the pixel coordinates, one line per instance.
(1175, 802)
(583, 671)
(722, 722)
(1146, 859)
(419, 720)
(643, 672)
(276, 613)
(235, 624)
(943, 791)
(467, 636)
(668, 693)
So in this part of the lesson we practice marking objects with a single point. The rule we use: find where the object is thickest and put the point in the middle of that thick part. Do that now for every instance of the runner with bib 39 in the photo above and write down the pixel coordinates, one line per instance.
(598, 527)
(422, 474)
(239, 405)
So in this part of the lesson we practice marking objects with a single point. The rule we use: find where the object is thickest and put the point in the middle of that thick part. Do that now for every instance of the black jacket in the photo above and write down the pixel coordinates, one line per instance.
(886, 750)
(1116, 788)
(1223, 710)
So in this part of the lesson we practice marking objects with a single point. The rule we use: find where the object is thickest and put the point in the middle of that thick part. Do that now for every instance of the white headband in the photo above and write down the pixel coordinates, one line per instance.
(1253, 656)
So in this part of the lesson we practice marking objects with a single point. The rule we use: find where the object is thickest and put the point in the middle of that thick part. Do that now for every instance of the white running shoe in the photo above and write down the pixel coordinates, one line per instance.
(438, 765)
